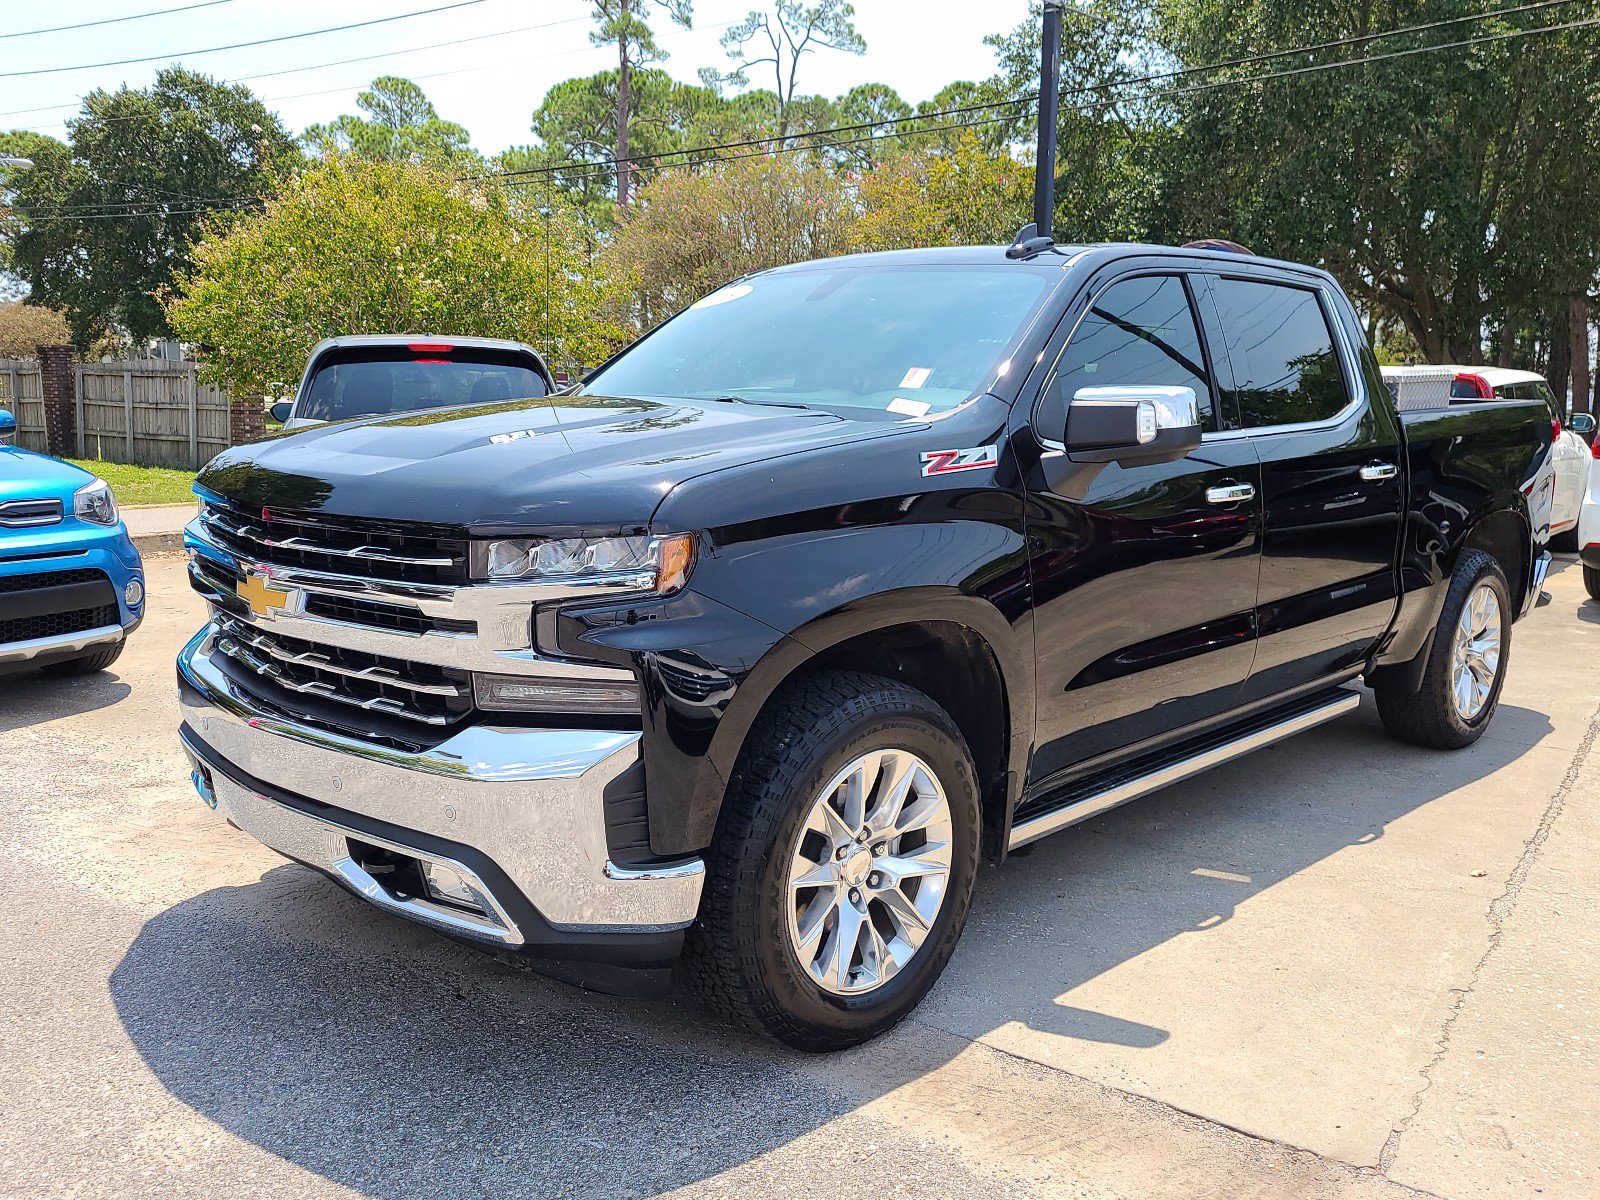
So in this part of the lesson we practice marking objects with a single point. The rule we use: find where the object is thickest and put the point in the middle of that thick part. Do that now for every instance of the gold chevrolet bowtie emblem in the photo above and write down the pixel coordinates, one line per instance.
(263, 599)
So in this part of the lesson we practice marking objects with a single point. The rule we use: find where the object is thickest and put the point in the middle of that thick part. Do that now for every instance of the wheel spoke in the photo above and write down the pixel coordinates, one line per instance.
(813, 922)
(896, 774)
(912, 924)
(853, 796)
(846, 936)
(806, 873)
(825, 819)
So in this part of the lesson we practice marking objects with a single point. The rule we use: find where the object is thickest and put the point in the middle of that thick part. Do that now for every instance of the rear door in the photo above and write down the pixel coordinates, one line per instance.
(1144, 576)
(1332, 479)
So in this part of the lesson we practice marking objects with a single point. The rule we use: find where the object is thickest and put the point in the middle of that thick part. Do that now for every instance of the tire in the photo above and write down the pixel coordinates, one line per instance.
(1591, 582)
(1431, 715)
(85, 664)
(744, 953)
(1565, 543)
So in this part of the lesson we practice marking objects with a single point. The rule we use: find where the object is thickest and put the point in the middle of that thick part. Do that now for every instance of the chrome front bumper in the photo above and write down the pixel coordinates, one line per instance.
(528, 800)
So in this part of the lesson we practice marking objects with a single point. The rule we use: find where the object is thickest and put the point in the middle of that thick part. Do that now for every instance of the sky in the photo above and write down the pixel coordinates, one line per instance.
(490, 84)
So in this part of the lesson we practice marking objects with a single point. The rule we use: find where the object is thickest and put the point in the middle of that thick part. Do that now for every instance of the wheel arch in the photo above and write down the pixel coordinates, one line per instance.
(958, 649)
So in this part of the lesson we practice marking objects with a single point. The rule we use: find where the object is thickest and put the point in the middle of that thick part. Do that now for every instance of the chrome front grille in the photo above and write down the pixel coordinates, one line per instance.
(364, 549)
(416, 692)
(387, 660)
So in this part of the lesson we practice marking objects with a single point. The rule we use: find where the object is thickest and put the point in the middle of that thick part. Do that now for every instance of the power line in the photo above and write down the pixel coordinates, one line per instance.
(159, 12)
(286, 37)
(584, 170)
(343, 62)
(1031, 97)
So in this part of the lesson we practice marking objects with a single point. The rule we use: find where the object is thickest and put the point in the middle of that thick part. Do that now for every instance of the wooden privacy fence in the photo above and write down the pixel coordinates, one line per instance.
(24, 397)
(150, 412)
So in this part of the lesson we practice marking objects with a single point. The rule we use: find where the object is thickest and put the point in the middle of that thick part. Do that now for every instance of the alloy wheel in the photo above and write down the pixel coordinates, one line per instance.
(1475, 657)
(869, 871)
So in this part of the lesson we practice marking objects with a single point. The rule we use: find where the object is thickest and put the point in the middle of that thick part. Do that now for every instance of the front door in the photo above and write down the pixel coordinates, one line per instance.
(1144, 576)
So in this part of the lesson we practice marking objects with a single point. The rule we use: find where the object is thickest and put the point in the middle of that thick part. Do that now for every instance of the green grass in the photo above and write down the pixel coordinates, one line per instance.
(142, 485)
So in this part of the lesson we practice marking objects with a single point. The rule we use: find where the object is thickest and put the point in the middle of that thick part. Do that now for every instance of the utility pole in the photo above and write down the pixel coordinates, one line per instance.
(1031, 239)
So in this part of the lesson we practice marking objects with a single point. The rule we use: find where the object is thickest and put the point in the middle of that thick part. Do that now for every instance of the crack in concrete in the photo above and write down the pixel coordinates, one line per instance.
(1499, 913)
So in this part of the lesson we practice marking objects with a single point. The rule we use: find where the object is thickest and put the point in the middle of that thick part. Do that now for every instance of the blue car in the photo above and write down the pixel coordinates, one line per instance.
(71, 582)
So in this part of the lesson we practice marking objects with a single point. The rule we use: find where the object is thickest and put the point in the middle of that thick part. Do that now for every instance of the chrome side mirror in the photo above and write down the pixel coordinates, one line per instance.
(1132, 424)
(1581, 423)
(8, 428)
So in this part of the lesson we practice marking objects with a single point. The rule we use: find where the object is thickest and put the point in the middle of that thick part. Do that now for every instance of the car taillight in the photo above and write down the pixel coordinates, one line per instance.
(429, 347)
(1555, 429)
(1594, 448)
(1479, 385)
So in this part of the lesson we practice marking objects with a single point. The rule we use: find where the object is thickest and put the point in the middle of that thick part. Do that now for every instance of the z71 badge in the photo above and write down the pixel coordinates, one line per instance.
(947, 462)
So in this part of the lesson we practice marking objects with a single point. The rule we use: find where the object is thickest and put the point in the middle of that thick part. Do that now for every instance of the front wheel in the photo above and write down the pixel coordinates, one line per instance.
(1466, 664)
(843, 864)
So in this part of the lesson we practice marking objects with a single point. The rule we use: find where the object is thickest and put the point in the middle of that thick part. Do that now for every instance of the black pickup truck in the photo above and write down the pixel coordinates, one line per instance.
(852, 575)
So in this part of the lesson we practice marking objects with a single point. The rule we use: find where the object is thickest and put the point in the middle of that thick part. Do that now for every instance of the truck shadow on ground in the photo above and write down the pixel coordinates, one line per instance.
(399, 1064)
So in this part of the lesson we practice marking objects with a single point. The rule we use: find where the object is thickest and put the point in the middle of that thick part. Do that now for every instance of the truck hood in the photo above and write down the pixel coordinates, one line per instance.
(559, 462)
(25, 475)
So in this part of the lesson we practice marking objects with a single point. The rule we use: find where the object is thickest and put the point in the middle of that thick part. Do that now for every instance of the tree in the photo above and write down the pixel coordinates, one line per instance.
(1110, 137)
(1452, 191)
(961, 197)
(106, 220)
(26, 327)
(351, 246)
(877, 106)
(576, 128)
(622, 26)
(19, 143)
(401, 125)
(779, 39)
(693, 230)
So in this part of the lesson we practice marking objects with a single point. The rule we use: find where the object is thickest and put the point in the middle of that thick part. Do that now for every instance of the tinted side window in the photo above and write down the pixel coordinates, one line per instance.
(1140, 332)
(1285, 369)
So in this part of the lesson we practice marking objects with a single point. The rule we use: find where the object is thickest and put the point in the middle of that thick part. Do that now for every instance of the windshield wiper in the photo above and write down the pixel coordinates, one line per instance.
(730, 398)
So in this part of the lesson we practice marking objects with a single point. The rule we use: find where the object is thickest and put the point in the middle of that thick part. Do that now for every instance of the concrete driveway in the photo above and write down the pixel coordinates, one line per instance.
(1343, 967)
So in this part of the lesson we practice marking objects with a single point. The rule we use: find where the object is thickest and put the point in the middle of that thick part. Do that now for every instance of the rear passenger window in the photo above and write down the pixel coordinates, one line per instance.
(1140, 332)
(1285, 369)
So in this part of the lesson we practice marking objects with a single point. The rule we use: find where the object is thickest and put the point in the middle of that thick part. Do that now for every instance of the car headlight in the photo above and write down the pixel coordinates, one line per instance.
(657, 565)
(93, 502)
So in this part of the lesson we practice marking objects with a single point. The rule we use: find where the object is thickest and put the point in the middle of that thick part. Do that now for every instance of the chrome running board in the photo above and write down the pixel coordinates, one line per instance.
(1092, 805)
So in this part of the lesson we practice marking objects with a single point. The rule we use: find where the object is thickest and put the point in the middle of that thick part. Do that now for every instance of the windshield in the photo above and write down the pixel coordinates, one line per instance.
(370, 381)
(907, 342)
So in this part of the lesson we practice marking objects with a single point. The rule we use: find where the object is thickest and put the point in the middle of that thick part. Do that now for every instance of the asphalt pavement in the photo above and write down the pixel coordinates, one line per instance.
(1341, 968)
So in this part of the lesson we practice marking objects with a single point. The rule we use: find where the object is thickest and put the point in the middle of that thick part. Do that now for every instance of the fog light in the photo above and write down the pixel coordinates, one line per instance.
(542, 693)
(446, 883)
(133, 593)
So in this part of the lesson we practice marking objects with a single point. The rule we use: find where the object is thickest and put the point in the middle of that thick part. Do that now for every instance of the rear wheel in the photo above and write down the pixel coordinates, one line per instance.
(1565, 543)
(1466, 663)
(1591, 582)
(843, 865)
(85, 664)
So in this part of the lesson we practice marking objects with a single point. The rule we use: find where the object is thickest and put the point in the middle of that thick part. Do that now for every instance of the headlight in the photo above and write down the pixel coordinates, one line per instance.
(658, 565)
(93, 502)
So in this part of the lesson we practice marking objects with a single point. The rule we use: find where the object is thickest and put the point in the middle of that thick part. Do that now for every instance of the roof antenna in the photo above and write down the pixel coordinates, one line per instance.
(1035, 238)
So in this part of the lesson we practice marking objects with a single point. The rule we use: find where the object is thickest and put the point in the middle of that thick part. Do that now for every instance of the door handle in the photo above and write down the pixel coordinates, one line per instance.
(1230, 493)
(1374, 472)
